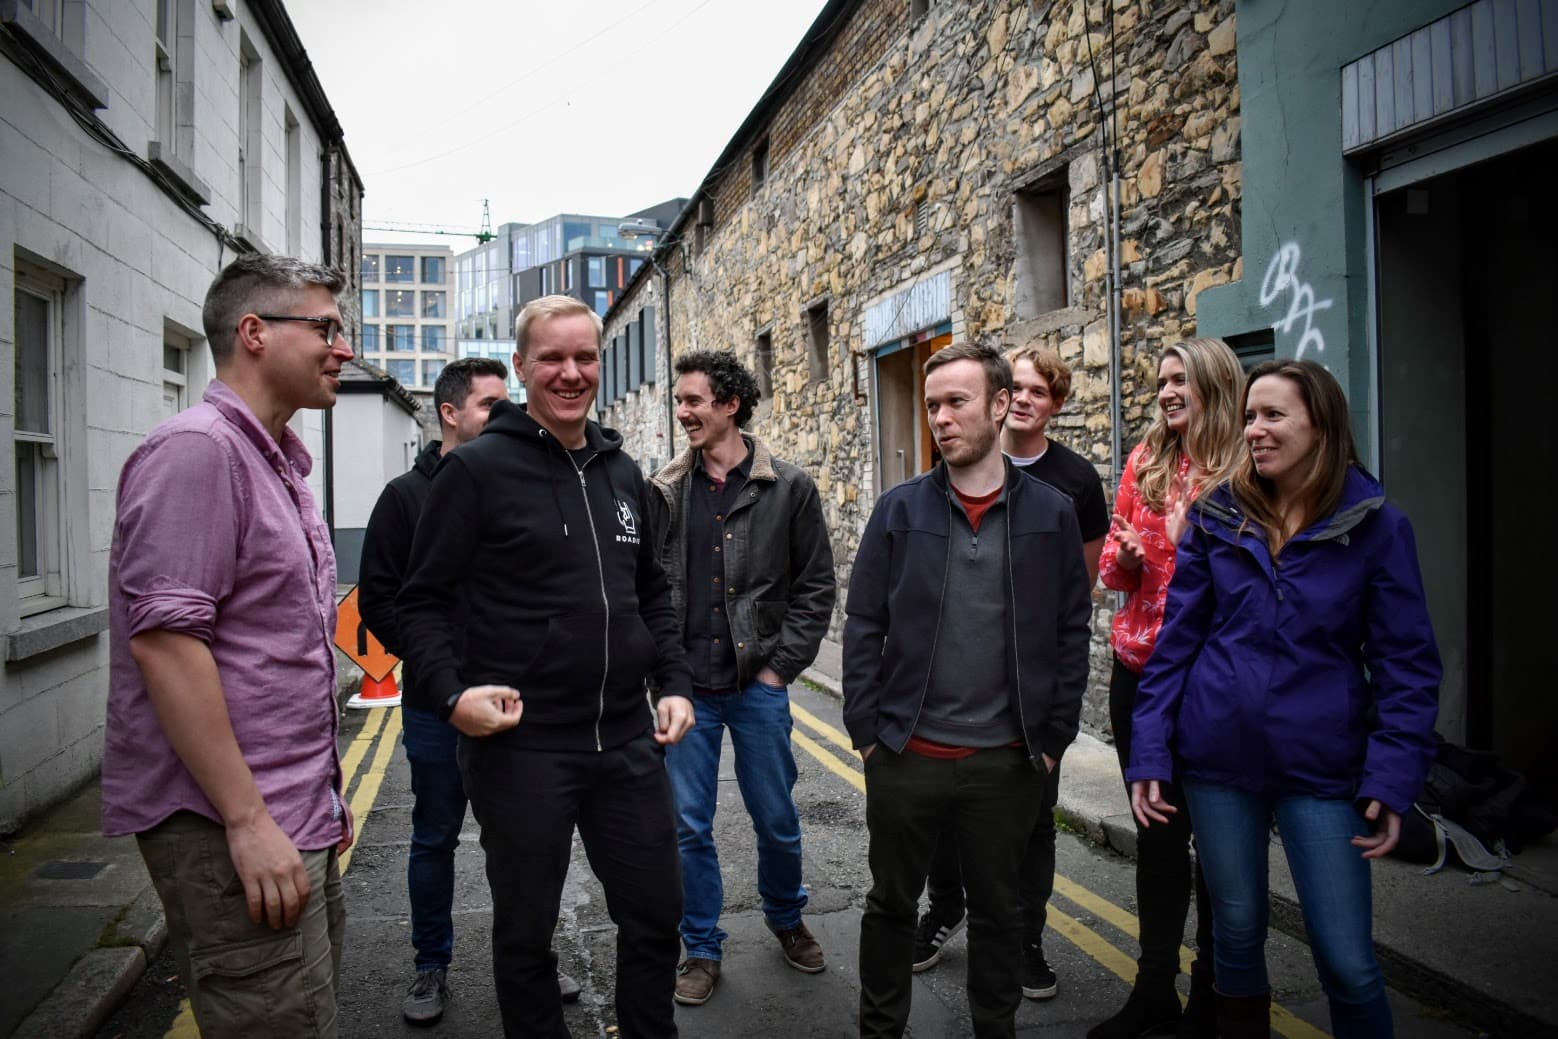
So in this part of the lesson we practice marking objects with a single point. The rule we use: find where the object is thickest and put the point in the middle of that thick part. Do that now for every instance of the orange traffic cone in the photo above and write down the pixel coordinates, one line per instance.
(376, 693)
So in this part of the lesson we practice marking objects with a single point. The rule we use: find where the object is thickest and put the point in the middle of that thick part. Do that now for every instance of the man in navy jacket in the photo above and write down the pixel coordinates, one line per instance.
(965, 661)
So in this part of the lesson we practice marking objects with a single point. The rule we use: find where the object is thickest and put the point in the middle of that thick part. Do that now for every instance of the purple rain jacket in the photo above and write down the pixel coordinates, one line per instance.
(1314, 673)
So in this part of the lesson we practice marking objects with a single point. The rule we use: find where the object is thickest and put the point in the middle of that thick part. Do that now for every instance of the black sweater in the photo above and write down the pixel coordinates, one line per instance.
(386, 545)
(543, 555)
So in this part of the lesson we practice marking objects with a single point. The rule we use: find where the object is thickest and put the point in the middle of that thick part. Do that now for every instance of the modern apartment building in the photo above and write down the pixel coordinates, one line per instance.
(407, 320)
(583, 256)
(484, 295)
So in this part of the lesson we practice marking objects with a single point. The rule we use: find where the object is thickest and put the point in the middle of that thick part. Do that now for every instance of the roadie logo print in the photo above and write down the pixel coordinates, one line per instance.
(629, 524)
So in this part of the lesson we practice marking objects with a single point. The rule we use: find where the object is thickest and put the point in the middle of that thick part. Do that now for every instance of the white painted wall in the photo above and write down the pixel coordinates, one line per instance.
(135, 260)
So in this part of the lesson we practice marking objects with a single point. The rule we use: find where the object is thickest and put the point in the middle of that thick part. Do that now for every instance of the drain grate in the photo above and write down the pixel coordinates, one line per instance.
(69, 869)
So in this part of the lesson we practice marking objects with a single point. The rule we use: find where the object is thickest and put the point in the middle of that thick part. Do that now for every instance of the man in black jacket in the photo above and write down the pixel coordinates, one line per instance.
(965, 660)
(535, 610)
(465, 392)
(742, 536)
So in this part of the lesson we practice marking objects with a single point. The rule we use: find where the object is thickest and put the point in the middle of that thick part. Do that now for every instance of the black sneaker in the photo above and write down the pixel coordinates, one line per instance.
(1038, 980)
(930, 936)
(425, 1002)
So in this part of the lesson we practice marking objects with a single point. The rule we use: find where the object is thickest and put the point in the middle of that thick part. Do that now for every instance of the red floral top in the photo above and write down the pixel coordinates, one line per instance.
(1136, 623)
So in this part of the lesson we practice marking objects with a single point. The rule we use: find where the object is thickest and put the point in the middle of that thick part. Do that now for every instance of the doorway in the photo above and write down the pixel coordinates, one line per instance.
(1468, 389)
(905, 446)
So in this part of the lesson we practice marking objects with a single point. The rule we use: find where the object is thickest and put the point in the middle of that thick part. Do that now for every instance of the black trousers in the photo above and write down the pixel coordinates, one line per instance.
(1035, 883)
(987, 803)
(528, 803)
(1163, 868)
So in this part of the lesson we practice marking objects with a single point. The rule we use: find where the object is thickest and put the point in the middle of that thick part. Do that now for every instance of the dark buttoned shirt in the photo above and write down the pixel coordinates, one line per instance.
(709, 648)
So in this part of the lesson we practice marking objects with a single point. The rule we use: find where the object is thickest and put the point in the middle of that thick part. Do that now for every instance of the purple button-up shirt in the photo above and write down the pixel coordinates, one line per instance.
(218, 537)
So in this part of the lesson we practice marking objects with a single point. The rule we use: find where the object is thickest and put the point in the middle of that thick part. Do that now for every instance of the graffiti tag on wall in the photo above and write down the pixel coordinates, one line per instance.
(1282, 277)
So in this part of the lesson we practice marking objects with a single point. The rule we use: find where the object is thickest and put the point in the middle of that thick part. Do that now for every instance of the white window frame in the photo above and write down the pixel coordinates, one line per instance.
(165, 41)
(175, 378)
(47, 589)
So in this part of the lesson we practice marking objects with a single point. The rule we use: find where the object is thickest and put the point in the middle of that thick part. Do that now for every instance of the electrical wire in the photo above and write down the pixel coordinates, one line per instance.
(99, 131)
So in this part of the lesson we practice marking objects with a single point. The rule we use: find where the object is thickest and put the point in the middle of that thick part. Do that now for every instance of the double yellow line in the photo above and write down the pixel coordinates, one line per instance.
(380, 733)
(832, 749)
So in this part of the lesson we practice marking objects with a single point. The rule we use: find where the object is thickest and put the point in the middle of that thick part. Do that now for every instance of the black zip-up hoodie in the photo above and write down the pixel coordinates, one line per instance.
(385, 546)
(544, 556)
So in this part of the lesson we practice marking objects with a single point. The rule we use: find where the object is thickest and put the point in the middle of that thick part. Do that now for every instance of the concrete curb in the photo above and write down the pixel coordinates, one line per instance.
(99, 982)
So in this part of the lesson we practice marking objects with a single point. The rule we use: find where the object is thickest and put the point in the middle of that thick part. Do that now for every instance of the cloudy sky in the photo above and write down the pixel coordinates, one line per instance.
(540, 107)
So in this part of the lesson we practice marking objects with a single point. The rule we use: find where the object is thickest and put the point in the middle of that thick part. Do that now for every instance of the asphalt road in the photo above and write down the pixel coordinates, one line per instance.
(1090, 944)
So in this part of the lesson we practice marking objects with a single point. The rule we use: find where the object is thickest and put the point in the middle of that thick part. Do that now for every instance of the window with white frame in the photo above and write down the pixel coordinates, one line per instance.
(39, 305)
(294, 207)
(250, 119)
(167, 43)
(175, 374)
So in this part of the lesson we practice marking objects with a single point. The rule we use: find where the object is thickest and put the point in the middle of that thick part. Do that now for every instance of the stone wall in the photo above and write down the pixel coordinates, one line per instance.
(914, 169)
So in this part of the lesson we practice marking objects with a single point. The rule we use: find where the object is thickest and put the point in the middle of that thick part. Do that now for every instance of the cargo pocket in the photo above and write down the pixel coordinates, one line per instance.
(241, 984)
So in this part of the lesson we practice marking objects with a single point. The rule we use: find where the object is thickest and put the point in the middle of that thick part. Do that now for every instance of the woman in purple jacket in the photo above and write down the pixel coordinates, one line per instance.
(1295, 678)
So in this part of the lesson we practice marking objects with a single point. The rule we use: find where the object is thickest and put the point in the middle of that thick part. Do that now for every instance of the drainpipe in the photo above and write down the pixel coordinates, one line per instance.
(329, 423)
(1116, 410)
(670, 395)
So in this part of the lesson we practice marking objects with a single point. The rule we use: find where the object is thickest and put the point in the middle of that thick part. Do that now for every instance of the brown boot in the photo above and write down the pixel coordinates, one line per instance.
(1244, 1017)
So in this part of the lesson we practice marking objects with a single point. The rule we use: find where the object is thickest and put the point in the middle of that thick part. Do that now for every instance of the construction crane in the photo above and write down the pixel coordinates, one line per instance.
(482, 237)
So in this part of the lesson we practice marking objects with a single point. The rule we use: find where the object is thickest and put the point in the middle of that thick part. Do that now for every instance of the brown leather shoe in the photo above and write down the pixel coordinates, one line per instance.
(800, 949)
(695, 979)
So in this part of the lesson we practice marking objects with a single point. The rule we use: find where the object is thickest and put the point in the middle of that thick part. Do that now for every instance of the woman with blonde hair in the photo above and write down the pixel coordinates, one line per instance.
(1296, 679)
(1192, 444)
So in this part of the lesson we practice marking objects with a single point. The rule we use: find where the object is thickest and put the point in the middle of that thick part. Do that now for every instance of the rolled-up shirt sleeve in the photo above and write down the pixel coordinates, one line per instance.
(178, 523)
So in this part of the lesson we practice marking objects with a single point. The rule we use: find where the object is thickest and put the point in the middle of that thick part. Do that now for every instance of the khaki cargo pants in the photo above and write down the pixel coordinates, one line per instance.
(244, 979)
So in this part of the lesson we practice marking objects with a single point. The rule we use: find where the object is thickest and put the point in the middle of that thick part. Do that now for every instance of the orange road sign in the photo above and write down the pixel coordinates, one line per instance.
(353, 638)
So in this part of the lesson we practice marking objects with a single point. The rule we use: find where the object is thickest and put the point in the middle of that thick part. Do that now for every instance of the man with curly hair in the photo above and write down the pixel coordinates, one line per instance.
(741, 536)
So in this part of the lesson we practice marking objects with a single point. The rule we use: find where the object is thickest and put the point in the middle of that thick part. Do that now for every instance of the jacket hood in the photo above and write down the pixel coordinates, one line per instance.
(510, 419)
(427, 458)
(1361, 495)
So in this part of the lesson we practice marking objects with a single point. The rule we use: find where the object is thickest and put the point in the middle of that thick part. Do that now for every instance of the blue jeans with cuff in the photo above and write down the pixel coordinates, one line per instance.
(1334, 891)
(758, 718)
(437, 816)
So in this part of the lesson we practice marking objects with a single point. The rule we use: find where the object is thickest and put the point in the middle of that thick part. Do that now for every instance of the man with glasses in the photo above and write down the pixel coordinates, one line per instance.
(220, 746)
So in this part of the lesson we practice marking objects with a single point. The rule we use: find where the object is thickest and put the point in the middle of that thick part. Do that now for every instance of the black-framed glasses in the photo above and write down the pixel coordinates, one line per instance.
(331, 328)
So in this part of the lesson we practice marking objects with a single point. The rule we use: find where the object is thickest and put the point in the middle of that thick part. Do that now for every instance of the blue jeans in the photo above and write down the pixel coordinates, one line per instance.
(758, 718)
(1333, 883)
(437, 814)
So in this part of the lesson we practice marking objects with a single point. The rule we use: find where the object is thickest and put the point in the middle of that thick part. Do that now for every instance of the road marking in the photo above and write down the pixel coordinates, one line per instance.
(1283, 1021)
(1281, 1018)
(372, 726)
(829, 761)
(823, 729)
(368, 786)
(1109, 912)
(381, 727)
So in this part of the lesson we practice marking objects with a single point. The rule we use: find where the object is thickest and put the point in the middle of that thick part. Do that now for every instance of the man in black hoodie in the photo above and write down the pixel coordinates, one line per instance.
(464, 394)
(541, 552)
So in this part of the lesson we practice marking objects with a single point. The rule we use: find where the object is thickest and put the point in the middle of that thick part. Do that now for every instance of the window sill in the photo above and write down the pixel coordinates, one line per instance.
(182, 176)
(1049, 321)
(55, 628)
(38, 38)
(250, 237)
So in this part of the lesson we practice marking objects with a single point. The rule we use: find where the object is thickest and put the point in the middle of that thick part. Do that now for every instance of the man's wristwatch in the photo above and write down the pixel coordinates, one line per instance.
(446, 709)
